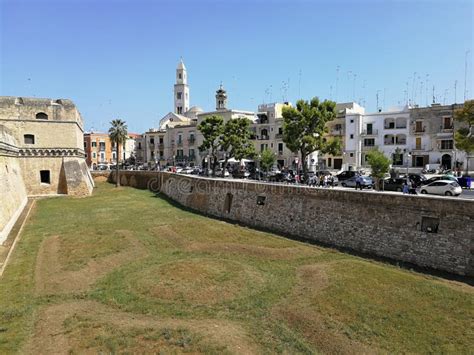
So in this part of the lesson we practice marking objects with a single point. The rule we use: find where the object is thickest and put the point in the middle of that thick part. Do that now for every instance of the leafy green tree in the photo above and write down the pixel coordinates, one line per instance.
(118, 137)
(380, 165)
(211, 128)
(464, 135)
(235, 140)
(304, 127)
(267, 159)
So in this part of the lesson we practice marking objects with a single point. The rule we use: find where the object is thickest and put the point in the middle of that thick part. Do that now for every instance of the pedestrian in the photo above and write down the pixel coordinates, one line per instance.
(325, 181)
(405, 187)
(358, 182)
(412, 187)
(331, 181)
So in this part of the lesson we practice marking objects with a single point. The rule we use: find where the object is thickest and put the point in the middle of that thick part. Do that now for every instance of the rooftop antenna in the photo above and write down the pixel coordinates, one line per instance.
(434, 99)
(455, 90)
(377, 98)
(413, 89)
(406, 95)
(421, 92)
(354, 76)
(337, 80)
(330, 92)
(465, 75)
(426, 88)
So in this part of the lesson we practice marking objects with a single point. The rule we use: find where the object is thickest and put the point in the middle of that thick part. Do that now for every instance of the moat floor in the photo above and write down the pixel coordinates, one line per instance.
(125, 271)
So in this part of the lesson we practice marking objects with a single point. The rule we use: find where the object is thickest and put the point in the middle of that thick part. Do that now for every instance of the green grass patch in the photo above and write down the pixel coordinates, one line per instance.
(287, 296)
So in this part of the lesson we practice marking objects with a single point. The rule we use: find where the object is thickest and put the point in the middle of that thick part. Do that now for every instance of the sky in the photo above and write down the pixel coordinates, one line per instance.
(117, 59)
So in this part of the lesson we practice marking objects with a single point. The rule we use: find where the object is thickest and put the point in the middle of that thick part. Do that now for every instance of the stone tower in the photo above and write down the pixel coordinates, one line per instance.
(221, 99)
(181, 90)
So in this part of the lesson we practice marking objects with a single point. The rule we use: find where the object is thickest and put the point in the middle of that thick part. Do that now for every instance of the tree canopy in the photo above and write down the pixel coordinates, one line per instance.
(464, 135)
(379, 164)
(211, 128)
(118, 136)
(235, 140)
(267, 159)
(304, 128)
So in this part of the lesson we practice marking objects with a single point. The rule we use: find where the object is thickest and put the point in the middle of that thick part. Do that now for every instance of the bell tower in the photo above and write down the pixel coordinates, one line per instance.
(221, 99)
(181, 90)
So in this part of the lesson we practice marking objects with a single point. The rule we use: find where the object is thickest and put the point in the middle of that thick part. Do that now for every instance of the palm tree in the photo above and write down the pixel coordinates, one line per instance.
(118, 136)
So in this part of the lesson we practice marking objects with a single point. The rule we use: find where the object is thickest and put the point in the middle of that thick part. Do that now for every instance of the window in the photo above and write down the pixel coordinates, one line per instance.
(161, 154)
(397, 158)
(447, 144)
(179, 95)
(102, 146)
(85, 145)
(180, 76)
(351, 155)
(45, 177)
(152, 140)
(352, 136)
(41, 116)
(447, 123)
(94, 155)
(161, 140)
(280, 130)
(94, 144)
(329, 161)
(139, 145)
(179, 110)
(191, 153)
(29, 139)
(352, 121)
(369, 142)
(280, 148)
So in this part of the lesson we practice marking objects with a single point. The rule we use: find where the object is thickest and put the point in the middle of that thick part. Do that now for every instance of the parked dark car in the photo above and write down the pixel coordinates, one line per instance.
(281, 177)
(394, 184)
(418, 179)
(346, 175)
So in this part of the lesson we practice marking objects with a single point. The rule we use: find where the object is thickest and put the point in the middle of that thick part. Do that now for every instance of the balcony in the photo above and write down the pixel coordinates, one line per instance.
(372, 132)
(179, 143)
(279, 136)
(418, 130)
(395, 127)
(280, 153)
(338, 132)
(191, 141)
(161, 146)
(420, 148)
(366, 148)
(151, 146)
(400, 142)
(263, 138)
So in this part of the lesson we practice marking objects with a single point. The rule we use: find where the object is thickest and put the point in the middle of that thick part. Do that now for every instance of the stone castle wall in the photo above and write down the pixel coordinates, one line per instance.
(12, 188)
(56, 150)
(427, 231)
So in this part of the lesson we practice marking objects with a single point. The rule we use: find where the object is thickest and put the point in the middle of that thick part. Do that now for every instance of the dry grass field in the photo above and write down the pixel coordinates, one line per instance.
(125, 271)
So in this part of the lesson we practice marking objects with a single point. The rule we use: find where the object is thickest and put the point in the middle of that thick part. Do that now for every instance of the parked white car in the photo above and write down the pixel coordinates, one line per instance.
(442, 187)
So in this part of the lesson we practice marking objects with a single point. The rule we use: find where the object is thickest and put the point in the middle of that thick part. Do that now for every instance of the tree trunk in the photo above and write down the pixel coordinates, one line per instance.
(225, 165)
(117, 177)
(214, 163)
(304, 166)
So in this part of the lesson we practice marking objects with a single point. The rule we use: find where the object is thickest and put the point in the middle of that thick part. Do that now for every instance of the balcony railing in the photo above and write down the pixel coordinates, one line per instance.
(369, 147)
(263, 138)
(395, 143)
(337, 132)
(191, 140)
(395, 127)
(179, 143)
(420, 147)
(372, 132)
(152, 146)
(279, 136)
(418, 130)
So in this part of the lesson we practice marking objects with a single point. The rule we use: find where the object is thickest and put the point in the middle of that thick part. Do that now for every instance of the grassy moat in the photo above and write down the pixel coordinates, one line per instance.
(125, 271)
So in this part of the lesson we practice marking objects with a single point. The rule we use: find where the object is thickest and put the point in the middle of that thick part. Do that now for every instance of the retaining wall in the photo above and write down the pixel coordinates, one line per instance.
(426, 231)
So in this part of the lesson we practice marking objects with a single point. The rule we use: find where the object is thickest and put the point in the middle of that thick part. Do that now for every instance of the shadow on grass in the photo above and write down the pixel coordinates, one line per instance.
(400, 264)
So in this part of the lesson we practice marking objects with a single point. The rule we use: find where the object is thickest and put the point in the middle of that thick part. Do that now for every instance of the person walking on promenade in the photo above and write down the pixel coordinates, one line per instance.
(405, 188)
(358, 182)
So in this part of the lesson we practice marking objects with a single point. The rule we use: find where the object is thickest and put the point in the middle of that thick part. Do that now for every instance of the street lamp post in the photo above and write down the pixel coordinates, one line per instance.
(408, 158)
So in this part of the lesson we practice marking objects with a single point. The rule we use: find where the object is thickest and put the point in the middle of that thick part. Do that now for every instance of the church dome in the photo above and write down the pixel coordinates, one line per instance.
(196, 109)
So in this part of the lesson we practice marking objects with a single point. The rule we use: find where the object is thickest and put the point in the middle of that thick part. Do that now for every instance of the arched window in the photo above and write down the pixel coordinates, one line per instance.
(41, 116)
(29, 139)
